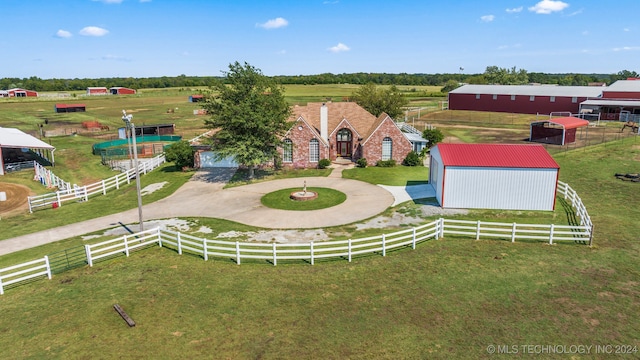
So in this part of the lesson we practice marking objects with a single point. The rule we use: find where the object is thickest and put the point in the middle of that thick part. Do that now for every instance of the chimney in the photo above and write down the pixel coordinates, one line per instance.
(324, 122)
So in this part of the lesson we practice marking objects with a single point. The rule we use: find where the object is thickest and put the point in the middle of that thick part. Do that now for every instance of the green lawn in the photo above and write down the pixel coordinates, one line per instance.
(395, 176)
(326, 198)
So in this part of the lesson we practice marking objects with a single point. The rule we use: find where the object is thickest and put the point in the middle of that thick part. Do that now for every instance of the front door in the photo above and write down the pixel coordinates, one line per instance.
(343, 143)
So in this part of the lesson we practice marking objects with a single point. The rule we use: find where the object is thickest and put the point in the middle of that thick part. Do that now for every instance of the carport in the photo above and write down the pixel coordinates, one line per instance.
(12, 141)
(558, 131)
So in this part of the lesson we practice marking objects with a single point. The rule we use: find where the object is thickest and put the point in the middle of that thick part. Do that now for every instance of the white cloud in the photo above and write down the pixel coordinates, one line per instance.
(548, 6)
(109, 1)
(576, 12)
(330, 2)
(626, 29)
(514, 10)
(585, 33)
(274, 23)
(487, 18)
(627, 48)
(63, 34)
(93, 31)
(339, 48)
(114, 58)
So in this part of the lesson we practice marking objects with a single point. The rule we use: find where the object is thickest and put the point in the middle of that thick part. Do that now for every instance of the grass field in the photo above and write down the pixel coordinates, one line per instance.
(450, 298)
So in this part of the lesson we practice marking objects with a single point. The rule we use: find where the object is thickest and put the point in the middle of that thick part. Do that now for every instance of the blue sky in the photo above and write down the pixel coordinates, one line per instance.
(151, 38)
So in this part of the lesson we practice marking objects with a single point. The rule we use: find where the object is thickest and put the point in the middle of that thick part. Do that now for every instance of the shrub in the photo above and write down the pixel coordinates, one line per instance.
(323, 163)
(386, 163)
(412, 159)
(361, 163)
(433, 136)
(181, 153)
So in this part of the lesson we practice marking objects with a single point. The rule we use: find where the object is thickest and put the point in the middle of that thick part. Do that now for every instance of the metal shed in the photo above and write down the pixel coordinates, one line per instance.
(558, 131)
(493, 176)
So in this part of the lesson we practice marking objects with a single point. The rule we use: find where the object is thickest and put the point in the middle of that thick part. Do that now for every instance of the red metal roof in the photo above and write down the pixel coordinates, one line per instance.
(63, 106)
(496, 155)
(566, 122)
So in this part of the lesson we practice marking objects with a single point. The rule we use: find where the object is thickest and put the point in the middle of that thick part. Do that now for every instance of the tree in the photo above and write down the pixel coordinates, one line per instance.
(181, 153)
(250, 114)
(502, 76)
(450, 85)
(624, 75)
(378, 101)
(433, 136)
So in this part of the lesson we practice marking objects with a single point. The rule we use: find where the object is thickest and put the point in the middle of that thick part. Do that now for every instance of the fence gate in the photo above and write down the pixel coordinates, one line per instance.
(67, 259)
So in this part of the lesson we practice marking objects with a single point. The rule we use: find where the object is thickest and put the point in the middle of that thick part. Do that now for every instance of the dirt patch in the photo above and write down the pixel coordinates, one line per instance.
(16, 198)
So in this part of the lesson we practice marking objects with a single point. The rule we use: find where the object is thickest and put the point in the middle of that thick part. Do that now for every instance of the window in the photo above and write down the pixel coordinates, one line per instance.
(552, 99)
(532, 98)
(314, 150)
(574, 99)
(495, 96)
(477, 96)
(387, 147)
(287, 151)
(513, 97)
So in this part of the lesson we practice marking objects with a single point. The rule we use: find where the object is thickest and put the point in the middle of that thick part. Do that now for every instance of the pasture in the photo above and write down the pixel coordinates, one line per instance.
(450, 298)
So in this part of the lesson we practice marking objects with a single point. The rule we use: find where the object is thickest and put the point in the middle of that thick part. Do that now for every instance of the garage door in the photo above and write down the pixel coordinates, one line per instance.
(208, 160)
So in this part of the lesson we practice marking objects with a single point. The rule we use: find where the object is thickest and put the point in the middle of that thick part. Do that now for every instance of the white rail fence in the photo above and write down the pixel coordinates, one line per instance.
(82, 193)
(47, 178)
(23, 272)
(310, 252)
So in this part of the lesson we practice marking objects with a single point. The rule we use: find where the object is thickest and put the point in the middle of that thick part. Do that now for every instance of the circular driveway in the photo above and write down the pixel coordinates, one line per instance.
(201, 197)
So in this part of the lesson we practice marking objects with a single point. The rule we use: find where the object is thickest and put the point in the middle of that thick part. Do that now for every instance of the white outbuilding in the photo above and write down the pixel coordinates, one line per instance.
(494, 176)
(13, 142)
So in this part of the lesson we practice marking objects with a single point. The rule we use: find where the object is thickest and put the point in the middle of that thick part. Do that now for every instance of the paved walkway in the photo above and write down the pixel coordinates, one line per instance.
(204, 196)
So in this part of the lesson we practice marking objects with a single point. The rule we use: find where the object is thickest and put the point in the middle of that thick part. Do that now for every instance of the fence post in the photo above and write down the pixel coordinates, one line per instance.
(591, 236)
(58, 198)
(204, 249)
(238, 252)
(384, 245)
(126, 246)
(117, 182)
(1, 287)
(311, 250)
(349, 250)
(413, 239)
(551, 235)
(159, 237)
(86, 195)
(87, 251)
(46, 262)
(441, 227)
(179, 245)
(104, 189)
(513, 233)
(478, 230)
(275, 259)
(29, 202)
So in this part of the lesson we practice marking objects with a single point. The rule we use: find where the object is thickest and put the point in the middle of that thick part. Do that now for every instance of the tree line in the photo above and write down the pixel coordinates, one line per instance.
(492, 75)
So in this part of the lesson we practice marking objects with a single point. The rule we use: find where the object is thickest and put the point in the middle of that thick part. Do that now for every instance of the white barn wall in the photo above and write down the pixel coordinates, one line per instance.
(499, 188)
(436, 172)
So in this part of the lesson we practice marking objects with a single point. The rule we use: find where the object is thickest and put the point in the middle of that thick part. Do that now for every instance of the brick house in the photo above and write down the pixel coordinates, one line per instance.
(344, 130)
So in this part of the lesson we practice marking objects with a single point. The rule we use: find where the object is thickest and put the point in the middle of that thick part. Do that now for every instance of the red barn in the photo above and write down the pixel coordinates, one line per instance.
(16, 92)
(65, 108)
(623, 89)
(118, 90)
(97, 91)
(619, 102)
(522, 99)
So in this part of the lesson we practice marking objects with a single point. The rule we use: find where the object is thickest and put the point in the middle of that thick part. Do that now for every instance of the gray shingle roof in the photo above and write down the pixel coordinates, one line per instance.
(529, 90)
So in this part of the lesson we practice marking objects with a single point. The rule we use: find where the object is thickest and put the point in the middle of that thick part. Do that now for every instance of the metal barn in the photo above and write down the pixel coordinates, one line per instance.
(558, 131)
(119, 90)
(521, 99)
(493, 176)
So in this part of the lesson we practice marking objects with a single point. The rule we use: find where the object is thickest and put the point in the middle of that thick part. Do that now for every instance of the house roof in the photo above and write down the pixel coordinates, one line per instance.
(362, 121)
(496, 155)
(565, 122)
(529, 90)
(14, 138)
